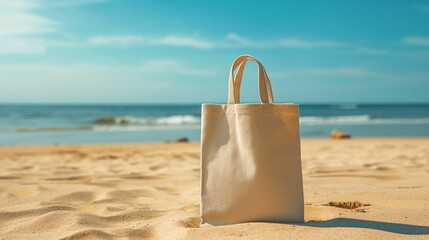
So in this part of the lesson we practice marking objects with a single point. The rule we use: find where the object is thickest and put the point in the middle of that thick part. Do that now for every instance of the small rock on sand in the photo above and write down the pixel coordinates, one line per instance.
(337, 134)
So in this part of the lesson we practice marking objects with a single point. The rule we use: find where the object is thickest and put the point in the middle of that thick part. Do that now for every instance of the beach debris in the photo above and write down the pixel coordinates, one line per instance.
(337, 134)
(347, 205)
(182, 140)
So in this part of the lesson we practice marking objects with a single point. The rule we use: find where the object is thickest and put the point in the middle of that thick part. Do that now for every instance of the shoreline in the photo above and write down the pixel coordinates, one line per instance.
(197, 142)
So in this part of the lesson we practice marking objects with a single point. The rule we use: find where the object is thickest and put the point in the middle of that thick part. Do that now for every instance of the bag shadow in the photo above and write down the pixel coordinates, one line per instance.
(400, 228)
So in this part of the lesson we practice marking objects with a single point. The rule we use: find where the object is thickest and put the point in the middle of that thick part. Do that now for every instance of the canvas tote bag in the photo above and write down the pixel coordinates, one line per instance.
(250, 157)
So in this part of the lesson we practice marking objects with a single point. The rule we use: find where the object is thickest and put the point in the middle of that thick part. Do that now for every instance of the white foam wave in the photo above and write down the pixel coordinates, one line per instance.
(135, 128)
(359, 119)
(192, 122)
(335, 119)
(117, 124)
(171, 120)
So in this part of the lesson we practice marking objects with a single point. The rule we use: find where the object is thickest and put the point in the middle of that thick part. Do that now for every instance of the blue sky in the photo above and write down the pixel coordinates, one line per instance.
(127, 51)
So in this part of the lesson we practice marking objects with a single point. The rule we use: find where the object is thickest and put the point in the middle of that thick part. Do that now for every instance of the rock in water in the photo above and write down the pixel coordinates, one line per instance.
(105, 120)
(337, 134)
(182, 140)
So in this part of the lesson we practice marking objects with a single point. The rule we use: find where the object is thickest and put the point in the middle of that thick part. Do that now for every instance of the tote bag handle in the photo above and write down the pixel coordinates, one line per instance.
(265, 91)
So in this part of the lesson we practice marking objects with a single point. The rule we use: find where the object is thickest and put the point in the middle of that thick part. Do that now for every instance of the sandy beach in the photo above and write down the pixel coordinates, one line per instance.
(354, 189)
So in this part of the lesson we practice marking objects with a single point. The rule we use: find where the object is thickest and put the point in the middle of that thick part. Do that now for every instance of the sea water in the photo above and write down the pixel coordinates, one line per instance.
(35, 124)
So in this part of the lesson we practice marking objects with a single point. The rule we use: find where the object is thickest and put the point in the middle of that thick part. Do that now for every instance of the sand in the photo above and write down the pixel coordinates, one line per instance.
(354, 189)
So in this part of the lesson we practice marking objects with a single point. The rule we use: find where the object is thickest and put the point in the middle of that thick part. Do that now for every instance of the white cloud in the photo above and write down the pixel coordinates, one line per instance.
(372, 51)
(87, 71)
(119, 40)
(28, 4)
(24, 23)
(23, 27)
(237, 38)
(344, 71)
(18, 17)
(133, 40)
(166, 66)
(66, 3)
(417, 41)
(22, 46)
(239, 41)
(18, 4)
(300, 43)
(232, 40)
(331, 72)
(236, 41)
(185, 41)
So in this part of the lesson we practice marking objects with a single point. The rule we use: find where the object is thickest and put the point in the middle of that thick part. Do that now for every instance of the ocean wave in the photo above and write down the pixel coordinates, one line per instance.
(189, 121)
(117, 124)
(310, 120)
(346, 106)
(359, 119)
(53, 129)
(127, 120)
(135, 128)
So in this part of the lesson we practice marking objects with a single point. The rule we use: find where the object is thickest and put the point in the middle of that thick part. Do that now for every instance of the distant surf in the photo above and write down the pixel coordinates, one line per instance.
(129, 120)
(130, 123)
(65, 124)
(359, 119)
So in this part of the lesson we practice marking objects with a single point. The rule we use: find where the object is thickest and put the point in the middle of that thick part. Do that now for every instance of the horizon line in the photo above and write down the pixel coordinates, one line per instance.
(192, 103)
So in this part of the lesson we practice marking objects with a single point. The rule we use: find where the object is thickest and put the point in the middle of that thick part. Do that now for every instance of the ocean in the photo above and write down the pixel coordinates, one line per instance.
(43, 124)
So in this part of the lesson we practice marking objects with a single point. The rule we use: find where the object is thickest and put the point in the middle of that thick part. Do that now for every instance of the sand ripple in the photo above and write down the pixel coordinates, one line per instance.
(380, 188)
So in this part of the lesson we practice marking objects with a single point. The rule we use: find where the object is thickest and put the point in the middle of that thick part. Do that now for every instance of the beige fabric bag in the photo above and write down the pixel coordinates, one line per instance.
(250, 157)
